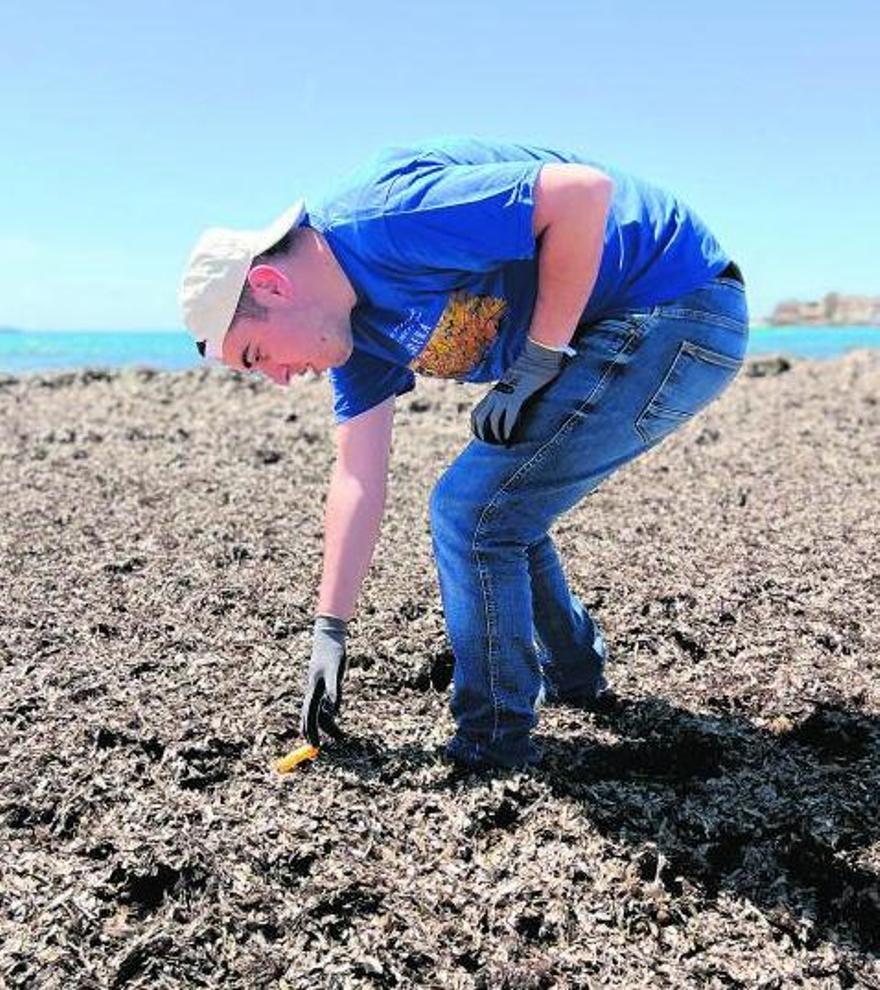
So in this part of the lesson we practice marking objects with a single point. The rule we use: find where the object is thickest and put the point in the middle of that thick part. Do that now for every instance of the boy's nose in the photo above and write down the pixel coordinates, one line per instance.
(279, 373)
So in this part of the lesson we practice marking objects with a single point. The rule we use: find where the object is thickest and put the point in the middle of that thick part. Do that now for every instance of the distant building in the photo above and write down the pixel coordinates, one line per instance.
(833, 310)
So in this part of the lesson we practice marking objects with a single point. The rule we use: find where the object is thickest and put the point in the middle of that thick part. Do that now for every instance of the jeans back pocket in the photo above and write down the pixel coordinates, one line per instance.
(696, 376)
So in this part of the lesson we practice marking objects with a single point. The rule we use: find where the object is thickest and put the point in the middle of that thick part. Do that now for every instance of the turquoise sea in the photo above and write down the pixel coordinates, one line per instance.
(24, 351)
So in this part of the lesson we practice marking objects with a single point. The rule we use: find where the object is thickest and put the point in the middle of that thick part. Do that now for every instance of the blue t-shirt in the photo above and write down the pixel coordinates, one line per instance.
(437, 242)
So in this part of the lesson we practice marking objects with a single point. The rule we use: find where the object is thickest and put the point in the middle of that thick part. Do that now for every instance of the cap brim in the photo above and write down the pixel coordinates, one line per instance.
(213, 350)
(265, 238)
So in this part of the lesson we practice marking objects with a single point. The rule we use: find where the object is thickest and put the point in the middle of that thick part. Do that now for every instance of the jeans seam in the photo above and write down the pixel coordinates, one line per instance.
(489, 614)
(704, 316)
(710, 356)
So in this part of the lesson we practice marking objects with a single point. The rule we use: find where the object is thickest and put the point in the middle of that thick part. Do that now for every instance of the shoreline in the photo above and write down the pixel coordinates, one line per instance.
(95, 372)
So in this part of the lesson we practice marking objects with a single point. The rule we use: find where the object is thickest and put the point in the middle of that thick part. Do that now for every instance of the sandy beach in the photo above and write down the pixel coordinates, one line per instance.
(161, 548)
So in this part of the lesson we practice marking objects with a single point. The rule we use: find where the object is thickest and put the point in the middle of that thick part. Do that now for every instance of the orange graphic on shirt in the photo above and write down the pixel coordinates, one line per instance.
(466, 328)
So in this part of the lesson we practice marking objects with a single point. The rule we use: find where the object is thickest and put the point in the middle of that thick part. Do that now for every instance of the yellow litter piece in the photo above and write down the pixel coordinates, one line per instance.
(293, 760)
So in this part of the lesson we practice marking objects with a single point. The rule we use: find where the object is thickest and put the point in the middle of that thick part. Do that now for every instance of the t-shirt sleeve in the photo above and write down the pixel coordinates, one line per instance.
(364, 381)
(474, 218)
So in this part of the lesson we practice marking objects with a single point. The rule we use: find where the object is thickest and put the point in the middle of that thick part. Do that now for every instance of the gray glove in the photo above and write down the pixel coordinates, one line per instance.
(494, 417)
(323, 697)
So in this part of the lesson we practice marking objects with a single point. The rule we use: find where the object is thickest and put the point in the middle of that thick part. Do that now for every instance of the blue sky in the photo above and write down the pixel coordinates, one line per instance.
(128, 128)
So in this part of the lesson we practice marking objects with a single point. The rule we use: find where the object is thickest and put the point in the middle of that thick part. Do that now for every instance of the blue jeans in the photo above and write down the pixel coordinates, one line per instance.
(517, 631)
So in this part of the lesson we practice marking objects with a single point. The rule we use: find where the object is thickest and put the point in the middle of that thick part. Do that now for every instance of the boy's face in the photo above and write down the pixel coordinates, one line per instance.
(266, 346)
(287, 344)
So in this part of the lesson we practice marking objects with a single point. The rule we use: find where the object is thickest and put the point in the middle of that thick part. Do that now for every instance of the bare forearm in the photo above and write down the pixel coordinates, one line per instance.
(352, 518)
(570, 250)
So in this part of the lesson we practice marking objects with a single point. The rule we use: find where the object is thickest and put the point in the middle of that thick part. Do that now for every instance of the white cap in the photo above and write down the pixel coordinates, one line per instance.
(215, 275)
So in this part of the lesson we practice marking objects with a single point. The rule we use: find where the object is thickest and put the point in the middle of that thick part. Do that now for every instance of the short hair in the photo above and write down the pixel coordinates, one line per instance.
(247, 307)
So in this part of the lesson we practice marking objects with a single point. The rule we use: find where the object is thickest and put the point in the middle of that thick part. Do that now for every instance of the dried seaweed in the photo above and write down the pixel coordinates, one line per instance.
(161, 544)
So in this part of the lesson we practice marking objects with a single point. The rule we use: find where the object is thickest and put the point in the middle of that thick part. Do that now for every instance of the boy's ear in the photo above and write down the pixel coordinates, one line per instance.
(268, 278)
